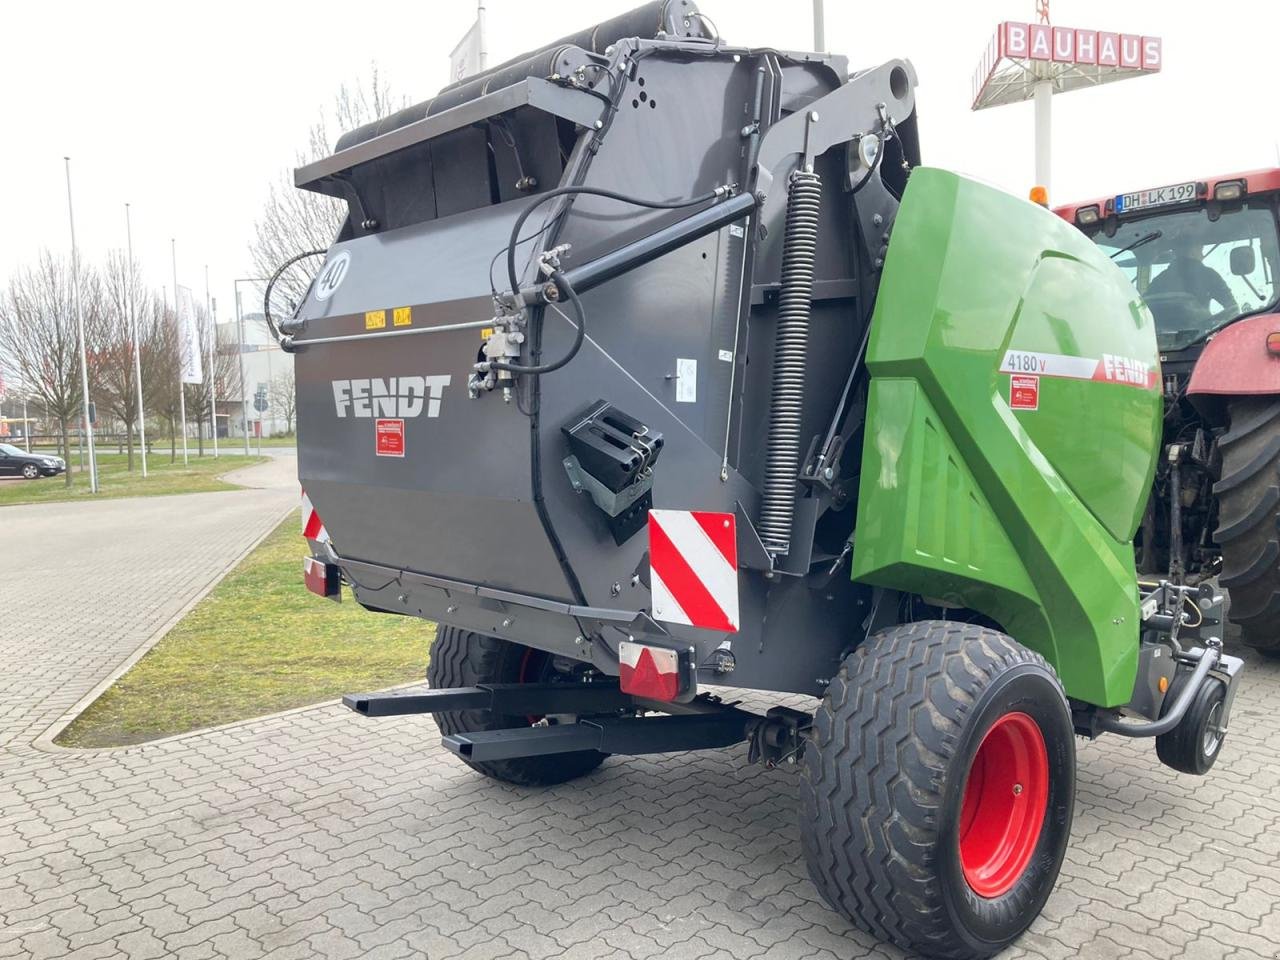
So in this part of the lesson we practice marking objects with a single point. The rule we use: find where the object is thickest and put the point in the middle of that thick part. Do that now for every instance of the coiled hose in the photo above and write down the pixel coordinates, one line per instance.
(791, 343)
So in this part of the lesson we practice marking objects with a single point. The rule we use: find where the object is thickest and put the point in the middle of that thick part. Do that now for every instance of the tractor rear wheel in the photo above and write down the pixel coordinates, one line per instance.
(1249, 520)
(460, 658)
(938, 787)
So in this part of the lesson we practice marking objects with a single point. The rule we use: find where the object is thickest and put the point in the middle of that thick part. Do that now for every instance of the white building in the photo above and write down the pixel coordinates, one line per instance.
(268, 372)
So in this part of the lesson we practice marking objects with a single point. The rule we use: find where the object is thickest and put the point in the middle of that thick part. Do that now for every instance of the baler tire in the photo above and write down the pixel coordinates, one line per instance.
(885, 788)
(1189, 747)
(460, 658)
(1248, 531)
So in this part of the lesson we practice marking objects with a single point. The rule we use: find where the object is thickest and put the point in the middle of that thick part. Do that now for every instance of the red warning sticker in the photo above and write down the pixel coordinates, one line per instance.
(1024, 392)
(390, 438)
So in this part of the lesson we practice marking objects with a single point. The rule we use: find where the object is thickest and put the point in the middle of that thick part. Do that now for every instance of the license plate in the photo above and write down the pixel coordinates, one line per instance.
(1157, 197)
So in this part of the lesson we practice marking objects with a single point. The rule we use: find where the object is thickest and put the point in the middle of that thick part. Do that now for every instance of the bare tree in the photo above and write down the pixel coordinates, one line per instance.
(160, 360)
(38, 341)
(284, 401)
(113, 387)
(224, 374)
(294, 221)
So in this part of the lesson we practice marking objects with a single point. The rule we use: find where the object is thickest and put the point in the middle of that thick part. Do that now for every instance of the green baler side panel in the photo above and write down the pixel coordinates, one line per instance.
(1026, 515)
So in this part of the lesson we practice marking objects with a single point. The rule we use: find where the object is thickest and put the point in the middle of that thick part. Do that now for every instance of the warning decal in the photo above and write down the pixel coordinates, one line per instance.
(389, 438)
(1024, 392)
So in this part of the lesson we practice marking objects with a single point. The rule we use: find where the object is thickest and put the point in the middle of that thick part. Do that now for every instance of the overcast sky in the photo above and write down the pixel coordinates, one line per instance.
(187, 111)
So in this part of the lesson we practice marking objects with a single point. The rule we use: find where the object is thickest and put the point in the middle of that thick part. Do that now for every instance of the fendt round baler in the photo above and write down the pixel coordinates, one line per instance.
(645, 364)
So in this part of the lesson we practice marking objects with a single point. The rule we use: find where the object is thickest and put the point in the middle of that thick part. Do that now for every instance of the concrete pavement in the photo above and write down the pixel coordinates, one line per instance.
(318, 833)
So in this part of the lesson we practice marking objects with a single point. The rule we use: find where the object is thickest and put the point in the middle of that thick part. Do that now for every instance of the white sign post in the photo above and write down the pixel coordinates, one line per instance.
(1026, 61)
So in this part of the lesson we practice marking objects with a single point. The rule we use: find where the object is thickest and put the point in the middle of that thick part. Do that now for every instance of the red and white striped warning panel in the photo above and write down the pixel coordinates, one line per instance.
(693, 568)
(312, 526)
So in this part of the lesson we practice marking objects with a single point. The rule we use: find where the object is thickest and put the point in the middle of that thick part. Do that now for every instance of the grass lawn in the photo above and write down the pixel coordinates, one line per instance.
(200, 475)
(258, 643)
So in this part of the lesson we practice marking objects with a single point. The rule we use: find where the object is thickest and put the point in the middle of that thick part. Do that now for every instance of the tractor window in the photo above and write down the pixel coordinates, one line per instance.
(1198, 274)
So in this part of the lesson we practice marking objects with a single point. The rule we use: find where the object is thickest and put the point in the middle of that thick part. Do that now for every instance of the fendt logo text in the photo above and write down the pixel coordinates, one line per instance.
(394, 397)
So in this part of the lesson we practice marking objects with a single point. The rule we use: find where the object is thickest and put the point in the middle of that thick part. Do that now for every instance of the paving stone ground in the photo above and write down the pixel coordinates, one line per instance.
(319, 834)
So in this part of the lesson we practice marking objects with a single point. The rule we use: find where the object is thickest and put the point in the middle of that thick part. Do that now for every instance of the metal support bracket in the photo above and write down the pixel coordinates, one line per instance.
(511, 699)
(624, 735)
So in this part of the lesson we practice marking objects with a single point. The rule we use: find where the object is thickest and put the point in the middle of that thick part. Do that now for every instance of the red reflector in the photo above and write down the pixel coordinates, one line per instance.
(1273, 343)
(322, 579)
(649, 672)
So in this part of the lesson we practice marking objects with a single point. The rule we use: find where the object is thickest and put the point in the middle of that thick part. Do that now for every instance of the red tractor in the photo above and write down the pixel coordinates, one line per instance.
(1205, 255)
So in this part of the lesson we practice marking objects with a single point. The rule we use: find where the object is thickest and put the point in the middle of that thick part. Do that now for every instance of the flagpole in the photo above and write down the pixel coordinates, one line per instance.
(84, 361)
(137, 361)
(484, 51)
(182, 343)
(210, 305)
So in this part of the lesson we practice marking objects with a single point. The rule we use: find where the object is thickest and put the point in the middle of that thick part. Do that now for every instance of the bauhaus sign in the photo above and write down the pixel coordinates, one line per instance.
(1020, 53)
(1040, 41)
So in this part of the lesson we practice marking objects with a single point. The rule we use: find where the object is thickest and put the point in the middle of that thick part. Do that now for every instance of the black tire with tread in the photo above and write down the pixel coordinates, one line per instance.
(1182, 748)
(460, 658)
(884, 777)
(1248, 531)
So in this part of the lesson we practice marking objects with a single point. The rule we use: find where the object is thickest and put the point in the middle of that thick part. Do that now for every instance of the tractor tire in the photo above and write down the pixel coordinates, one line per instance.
(460, 658)
(938, 788)
(1249, 520)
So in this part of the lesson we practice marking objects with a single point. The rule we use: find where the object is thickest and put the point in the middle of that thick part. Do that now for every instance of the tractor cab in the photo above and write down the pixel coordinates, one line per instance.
(1203, 254)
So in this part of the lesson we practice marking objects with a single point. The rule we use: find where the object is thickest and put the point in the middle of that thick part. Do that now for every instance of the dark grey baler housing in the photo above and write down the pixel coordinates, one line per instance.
(479, 521)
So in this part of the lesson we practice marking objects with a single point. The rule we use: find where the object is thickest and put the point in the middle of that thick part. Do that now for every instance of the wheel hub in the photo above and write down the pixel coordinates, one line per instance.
(1005, 797)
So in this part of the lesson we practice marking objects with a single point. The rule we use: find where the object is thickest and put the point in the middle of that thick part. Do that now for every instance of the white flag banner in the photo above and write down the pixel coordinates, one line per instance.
(188, 338)
(465, 59)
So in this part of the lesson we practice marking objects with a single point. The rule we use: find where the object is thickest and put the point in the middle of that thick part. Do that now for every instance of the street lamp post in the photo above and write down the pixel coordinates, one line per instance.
(244, 386)
(84, 359)
(182, 339)
(244, 400)
(137, 360)
(211, 311)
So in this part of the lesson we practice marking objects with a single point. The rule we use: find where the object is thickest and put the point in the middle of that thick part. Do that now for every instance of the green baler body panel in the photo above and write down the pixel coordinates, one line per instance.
(1020, 505)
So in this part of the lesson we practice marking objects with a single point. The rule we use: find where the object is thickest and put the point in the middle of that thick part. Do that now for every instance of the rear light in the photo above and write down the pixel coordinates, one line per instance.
(322, 579)
(654, 673)
(1273, 343)
(1087, 215)
(1229, 190)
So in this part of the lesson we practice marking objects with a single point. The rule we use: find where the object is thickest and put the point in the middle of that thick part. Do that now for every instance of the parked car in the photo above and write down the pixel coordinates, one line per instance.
(16, 462)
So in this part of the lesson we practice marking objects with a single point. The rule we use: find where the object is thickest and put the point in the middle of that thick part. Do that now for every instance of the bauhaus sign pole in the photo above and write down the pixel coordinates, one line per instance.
(1036, 61)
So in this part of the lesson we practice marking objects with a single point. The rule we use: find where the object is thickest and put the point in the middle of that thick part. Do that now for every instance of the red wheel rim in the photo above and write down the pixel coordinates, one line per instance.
(1005, 797)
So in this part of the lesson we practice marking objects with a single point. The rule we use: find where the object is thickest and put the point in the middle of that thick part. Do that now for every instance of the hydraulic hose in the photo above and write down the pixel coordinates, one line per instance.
(567, 291)
(542, 198)
(266, 297)
(790, 352)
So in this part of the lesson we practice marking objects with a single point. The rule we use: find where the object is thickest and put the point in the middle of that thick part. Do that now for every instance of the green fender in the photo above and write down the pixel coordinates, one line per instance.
(1013, 425)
